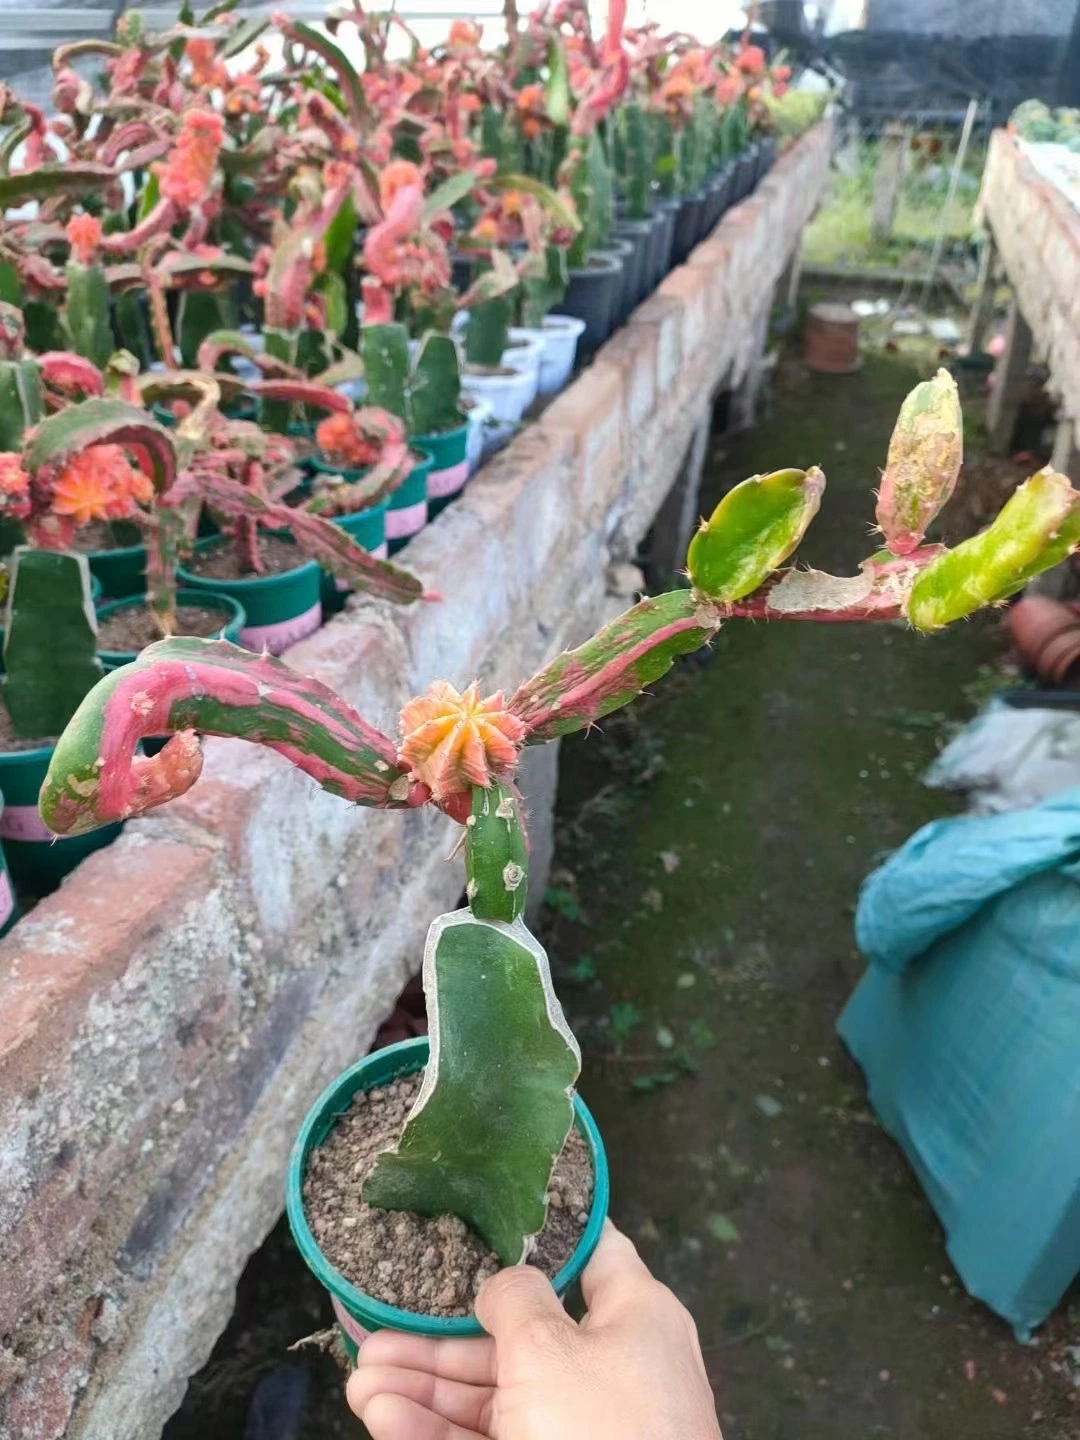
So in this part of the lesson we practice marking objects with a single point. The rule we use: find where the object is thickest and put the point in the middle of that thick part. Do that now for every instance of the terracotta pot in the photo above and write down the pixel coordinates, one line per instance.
(1046, 634)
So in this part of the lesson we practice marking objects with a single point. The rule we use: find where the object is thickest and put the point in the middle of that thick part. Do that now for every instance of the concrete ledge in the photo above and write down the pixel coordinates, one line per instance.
(169, 1015)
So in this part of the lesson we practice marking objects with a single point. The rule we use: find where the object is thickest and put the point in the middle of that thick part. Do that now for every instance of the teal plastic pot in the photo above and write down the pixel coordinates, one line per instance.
(38, 861)
(407, 509)
(449, 451)
(359, 1314)
(368, 529)
(113, 659)
(121, 571)
(278, 610)
(9, 906)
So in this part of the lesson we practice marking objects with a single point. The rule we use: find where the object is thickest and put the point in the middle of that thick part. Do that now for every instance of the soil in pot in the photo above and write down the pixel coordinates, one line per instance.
(222, 562)
(432, 1266)
(133, 627)
(12, 743)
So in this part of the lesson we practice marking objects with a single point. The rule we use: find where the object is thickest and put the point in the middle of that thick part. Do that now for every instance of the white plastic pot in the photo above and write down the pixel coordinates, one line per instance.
(509, 392)
(525, 353)
(561, 334)
(479, 412)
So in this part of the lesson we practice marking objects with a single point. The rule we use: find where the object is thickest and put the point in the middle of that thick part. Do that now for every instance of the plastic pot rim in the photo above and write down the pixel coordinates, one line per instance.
(390, 1317)
(247, 580)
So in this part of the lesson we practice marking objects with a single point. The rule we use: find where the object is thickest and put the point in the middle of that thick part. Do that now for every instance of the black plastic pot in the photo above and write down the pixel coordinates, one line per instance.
(667, 211)
(591, 296)
(746, 174)
(639, 233)
(624, 300)
(766, 156)
(688, 226)
(725, 188)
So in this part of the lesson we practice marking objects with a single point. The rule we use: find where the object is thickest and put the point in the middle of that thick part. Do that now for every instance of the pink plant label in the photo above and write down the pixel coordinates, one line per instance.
(353, 1329)
(22, 822)
(379, 553)
(442, 483)
(409, 520)
(7, 899)
(282, 633)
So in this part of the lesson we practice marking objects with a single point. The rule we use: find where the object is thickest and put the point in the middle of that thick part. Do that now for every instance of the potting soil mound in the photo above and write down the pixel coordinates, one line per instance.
(133, 628)
(222, 562)
(431, 1266)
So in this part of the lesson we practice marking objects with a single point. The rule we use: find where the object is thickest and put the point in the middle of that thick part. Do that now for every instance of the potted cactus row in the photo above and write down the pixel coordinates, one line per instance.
(428, 1165)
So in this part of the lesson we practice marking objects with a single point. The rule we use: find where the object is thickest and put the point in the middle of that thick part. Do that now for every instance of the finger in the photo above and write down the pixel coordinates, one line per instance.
(519, 1303)
(392, 1417)
(465, 1405)
(472, 1361)
(614, 1275)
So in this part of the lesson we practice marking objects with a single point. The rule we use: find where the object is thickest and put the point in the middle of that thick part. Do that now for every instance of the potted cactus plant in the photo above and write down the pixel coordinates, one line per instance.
(483, 1124)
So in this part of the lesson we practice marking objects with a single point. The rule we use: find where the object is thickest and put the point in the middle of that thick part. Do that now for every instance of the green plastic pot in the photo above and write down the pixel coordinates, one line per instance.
(359, 1314)
(407, 509)
(449, 465)
(279, 610)
(120, 571)
(38, 861)
(9, 906)
(113, 659)
(368, 529)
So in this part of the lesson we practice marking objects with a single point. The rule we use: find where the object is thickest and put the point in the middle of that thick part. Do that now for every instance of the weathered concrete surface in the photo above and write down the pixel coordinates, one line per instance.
(169, 1015)
(1037, 234)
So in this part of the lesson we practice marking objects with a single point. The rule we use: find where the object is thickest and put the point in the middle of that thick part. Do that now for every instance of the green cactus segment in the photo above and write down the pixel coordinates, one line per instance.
(1037, 528)
(436, 387)
(925, 455)
(581, 686)
(50, 640)
(87, 313)
(104, 422)
(183, 685)
(495, 1107)
(43, 184)
(488, 331)
(445, 196)
(280, 345)
(639, 162)
(337, 62)
(21, 401)
(384, 350)
(543, 285)
(753, 530)
(496, 854)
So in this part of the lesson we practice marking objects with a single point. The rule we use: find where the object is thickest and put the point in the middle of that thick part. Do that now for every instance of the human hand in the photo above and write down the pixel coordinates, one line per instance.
(632, 1370)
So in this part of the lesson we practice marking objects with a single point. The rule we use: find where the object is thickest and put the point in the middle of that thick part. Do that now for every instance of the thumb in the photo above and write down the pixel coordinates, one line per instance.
(519, 1304)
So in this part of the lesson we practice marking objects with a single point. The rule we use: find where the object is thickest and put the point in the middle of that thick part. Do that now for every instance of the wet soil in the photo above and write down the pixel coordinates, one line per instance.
(434, 1266)
(133, 628)
(222, 562)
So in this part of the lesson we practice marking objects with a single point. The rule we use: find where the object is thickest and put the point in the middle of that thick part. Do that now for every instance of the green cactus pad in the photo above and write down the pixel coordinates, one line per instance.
(496, 854)
(87, 313)
(488, 331)
(496, 1104)
(436, 387)
(21, 403)
(753, 530)
(1036, 529)
(384, 350)
(50, 640)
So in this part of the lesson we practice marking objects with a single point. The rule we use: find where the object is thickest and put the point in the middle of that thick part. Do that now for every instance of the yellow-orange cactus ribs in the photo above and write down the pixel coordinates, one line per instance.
(451, 740)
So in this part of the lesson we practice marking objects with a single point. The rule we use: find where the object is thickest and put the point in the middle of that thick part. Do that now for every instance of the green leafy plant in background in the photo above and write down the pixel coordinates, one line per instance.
(495, 1106)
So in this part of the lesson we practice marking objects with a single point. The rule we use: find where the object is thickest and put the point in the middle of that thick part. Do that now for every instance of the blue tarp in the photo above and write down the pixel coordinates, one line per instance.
(967, 1025)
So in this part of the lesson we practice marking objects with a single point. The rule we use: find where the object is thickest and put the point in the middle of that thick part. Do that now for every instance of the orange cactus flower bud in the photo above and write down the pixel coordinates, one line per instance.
(84, 236)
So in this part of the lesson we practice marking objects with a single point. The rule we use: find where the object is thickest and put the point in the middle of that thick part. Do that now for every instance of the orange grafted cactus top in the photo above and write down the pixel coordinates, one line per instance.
(452, 741)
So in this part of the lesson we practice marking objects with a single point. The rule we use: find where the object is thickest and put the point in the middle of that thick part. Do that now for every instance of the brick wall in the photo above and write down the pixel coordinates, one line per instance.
(1037, 232)
(167, 1018)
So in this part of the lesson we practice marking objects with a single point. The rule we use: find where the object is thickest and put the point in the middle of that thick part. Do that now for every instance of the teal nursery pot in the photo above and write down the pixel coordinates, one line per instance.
(113, 659)
(359, 1314)
(37, 860)
(449, 451)
(122, 570)
(279, 610)
(407, 510)
(9, 906)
